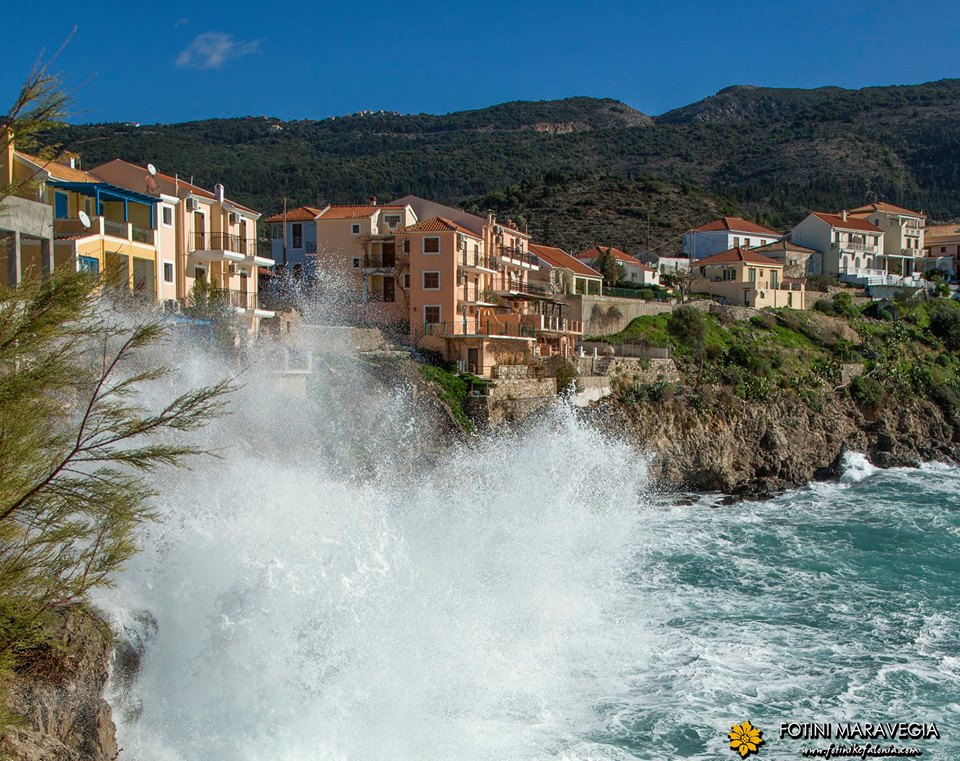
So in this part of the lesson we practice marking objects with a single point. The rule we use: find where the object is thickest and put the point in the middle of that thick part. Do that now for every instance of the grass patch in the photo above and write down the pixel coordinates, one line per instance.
(452, 389)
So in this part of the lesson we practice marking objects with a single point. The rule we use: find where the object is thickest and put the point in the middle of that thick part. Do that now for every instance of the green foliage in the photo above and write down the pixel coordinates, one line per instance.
(566, 377)
(608, 266)
(76, 435)
(945, 322)
(689, 326)
(452, 389)
(867, 393)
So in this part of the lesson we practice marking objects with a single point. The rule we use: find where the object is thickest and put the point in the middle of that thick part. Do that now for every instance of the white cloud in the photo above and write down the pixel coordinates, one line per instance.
(211, 50)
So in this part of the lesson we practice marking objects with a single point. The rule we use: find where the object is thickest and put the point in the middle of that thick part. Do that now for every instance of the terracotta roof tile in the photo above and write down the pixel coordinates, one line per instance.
(436, 225)
(850, 223)
(592, 253)
(300, 214)
(738, 254)
(57, 170)
(557, 257)
(784, 245)
(884, 207)
(737, 225)
(356, 211)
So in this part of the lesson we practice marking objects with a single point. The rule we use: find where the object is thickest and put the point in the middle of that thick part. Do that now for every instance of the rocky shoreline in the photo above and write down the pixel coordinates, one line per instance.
(756, 450)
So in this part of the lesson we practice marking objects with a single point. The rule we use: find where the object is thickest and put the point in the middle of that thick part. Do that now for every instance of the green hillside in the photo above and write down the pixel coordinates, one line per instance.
(771, 154)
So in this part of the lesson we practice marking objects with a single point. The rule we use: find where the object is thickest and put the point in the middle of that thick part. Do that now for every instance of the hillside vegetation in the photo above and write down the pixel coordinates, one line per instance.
(770, 154)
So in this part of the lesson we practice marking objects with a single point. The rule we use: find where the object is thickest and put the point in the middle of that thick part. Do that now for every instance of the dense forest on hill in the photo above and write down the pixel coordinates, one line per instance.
(596, 166)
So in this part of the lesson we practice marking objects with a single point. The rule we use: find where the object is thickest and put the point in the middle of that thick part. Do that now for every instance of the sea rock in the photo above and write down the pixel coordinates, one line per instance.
(754, 450)
(59, 694)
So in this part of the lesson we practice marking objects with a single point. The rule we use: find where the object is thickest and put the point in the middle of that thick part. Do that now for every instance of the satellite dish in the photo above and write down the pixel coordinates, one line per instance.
(151, 170)
(84, 219)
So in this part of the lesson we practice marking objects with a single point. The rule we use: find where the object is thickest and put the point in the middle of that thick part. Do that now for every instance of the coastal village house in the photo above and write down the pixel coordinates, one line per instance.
(849, 245)
(26, 221)
(942, 246)
(202, 236)
(663, 263)
(467, 286)
(724, 234)
(903, 248)
(634, 270)
(798, 261)
(743, 277)
(562, 273)
(97, 226)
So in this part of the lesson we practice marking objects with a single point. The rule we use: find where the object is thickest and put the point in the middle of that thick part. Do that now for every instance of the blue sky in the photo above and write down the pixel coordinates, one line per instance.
(177, 62)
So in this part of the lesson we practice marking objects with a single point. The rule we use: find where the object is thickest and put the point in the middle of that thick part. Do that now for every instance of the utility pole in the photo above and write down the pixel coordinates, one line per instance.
(284, 233)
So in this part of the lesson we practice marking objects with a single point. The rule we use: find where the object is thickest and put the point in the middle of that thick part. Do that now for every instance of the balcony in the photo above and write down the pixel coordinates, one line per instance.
(477, 262)
(383, 262)
(221, 247)
(518, 256)
(478, 297)
(246, 303)
(552, 324)
(855, 246)
(106, 227)
(500, 326)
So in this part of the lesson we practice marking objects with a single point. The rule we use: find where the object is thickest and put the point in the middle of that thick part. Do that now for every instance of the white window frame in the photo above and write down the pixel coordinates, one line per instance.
(354, 229)
(163, 271)
(439, 308)
(423, 280)
(423, 246)
(164, 209)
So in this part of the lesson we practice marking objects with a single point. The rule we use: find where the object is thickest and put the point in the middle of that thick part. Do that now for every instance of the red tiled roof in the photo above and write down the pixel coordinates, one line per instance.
(57, 170)
(356, 211)
(737, 225)
(300, 214)
(592, 253)
(885, 207)
(785, 245)
(850, 223)
(557, 257)
(738, 254)
(437, 225)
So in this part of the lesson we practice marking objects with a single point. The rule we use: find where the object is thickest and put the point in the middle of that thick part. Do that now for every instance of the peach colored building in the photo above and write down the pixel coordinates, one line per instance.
(745, 278)
(942, 249)
(203, 236)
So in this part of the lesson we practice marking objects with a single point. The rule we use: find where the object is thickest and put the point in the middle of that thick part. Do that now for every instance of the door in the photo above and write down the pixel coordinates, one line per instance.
(473, 361)
(243, 292)
(199, 231)
(388, 289)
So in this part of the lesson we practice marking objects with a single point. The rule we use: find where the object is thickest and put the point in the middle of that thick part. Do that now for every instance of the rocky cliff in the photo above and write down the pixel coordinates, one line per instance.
(758, 449)
(58, 692)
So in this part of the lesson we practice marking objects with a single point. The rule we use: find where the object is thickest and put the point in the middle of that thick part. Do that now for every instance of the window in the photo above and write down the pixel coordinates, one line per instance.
(406, 246)
(431, 315)
(431, 245)
(166, 215)
(736, 241)
(168, 272)
(200, 273)
(296, 232)
(392, 220)
(431, 281)
(774, 279)
(406, 279)
(943, 249)
(89, 264)
(753, 275)
(355, 229)
(746, 242)
(356, 262)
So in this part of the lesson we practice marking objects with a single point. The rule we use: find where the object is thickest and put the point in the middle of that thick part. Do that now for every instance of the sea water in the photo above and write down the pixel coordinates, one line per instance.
(524, 596)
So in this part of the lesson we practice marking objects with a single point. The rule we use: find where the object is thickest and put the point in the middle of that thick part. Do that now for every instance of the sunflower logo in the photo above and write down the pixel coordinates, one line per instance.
(745, 739)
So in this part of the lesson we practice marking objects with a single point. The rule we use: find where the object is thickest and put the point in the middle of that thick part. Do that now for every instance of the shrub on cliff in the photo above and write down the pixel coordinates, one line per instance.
(867, 393)
(945, 322)
(689, 326)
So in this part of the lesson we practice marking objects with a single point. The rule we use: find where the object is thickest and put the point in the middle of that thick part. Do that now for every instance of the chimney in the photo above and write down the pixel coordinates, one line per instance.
(843, 215)
(372, 200)
(218, 192)
(69, 159)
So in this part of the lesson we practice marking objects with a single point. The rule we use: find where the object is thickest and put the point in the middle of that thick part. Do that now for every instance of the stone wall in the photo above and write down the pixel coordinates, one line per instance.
(604, 315)
(510, 401)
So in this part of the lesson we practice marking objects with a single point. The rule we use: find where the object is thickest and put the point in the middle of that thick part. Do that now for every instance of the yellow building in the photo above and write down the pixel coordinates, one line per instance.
(745, 278)
(26, 222)
(97, 226)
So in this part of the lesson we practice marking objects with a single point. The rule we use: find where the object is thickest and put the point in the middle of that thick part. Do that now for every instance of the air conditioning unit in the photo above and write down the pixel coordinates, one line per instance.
(192, 204)
(234, 218)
